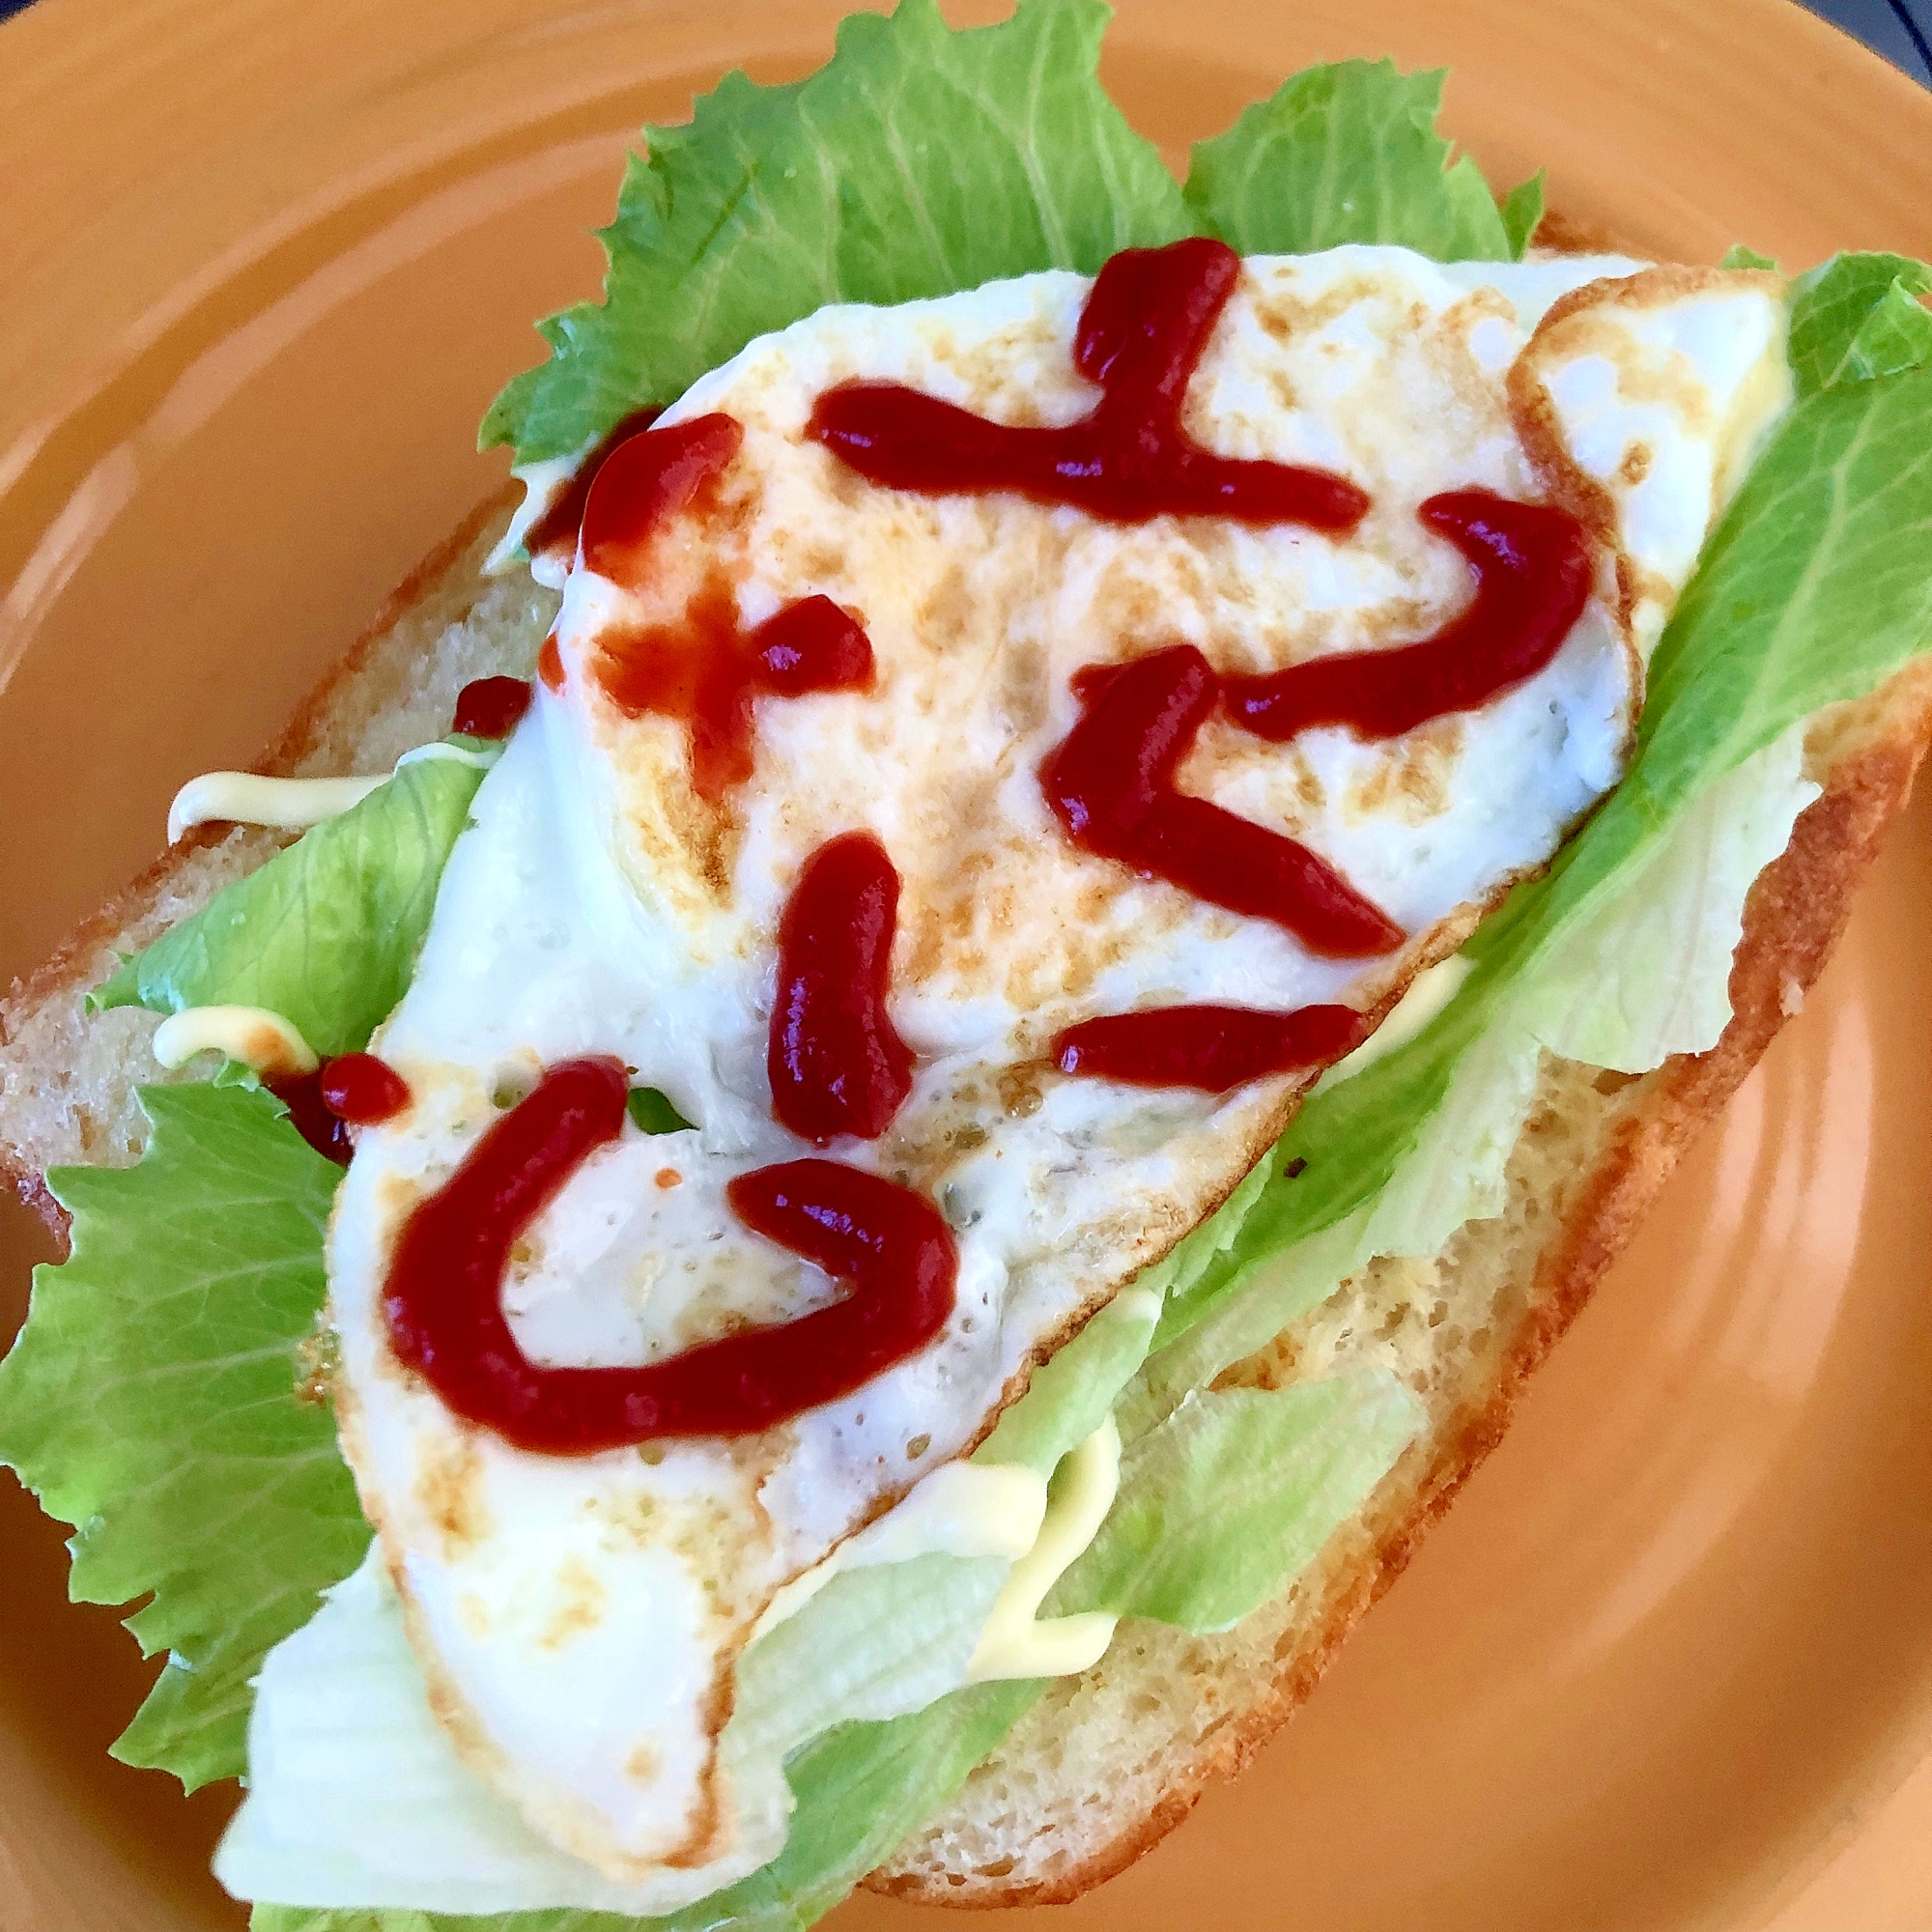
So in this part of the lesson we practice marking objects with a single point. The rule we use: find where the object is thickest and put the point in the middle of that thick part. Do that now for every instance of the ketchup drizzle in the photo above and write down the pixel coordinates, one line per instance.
(708, 669)
(838, 1065)
(1142, 332)
(556, 527)
(643, 483)
(359, 1087)
(442, 1299)
(301, 1095)
(352, 1087)
(1213, 1049)
(1532, 572)
(489, 707)
(1111, 784)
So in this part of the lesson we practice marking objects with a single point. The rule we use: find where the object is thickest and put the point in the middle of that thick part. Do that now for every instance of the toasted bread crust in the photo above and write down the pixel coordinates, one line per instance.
(1795, 915)
(79, 962)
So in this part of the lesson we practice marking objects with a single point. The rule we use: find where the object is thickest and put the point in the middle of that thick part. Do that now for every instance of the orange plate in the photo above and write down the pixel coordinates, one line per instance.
(265, 265)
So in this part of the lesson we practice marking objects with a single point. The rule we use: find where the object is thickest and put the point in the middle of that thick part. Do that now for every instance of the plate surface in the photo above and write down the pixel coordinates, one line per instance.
(1669, 1662)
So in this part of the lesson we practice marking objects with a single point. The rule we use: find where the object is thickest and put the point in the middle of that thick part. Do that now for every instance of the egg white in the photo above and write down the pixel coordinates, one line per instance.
(578, 1619)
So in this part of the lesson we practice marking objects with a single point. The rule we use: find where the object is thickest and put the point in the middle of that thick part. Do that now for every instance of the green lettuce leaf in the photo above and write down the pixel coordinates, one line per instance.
(1859, 316)
(1738, 256)
(1815, 587)
(1521, 211)
(862, 1789)
(652, 1113)
(922, 160)
(327, 933)
(874, 1643)
(1642, 976)
(1073, 1392)
(1350, 153)
(918, 162)
(1642, 973)
(1232, 1495)
(357, 1792)
(1264, 1286)
(150, 1402)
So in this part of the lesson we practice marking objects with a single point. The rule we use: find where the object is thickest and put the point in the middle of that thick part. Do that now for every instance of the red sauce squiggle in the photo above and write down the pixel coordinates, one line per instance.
(325, 1132)
(557, 528)
(1532, 570)
(359, 1087)
(489, 707)
(645, 482)
(889, 1243)
(442, 1300)
(707, 669)
(1142, 332)
(1212, 1048)
(837, 1064)
(1111, 784)
(352, 1089)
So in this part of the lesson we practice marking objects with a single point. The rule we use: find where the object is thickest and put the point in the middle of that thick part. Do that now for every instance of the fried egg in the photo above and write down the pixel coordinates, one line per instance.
(577, 1620)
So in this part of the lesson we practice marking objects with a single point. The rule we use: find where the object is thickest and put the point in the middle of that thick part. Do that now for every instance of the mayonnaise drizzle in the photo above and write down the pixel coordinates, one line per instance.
(247, 798)
(294, 805)
(1014, 1643)
(254, 1035)
(456, 755)
(995, 1509)
(1428, 992)
(962, 1509)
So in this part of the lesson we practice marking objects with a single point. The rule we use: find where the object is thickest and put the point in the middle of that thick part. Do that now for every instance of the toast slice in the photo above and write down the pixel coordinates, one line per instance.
(1108, 1762)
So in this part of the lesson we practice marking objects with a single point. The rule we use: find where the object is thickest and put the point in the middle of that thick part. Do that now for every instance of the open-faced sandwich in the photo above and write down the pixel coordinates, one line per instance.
(899, 1081)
